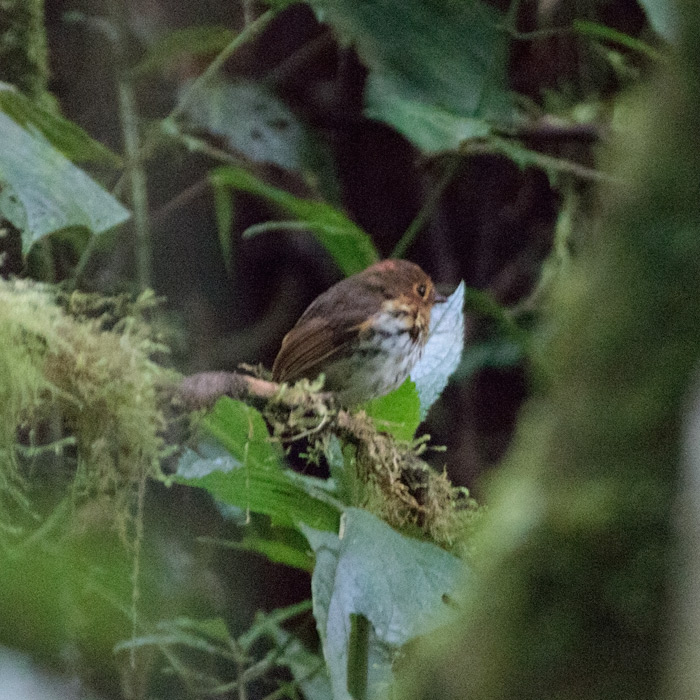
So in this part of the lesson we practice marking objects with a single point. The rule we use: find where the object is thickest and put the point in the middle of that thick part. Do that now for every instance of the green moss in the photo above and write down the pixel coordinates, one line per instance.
(381, 474)
(80, 373)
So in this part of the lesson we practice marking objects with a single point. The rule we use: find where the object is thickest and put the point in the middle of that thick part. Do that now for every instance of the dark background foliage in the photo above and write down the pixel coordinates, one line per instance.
(501, 211)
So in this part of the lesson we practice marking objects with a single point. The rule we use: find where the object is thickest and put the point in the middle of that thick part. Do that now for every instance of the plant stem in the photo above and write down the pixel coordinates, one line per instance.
(358, 656)
(137, 178)
(135, 575)
(248, 12)
(251, 31)
(495, 145)
(427, 209)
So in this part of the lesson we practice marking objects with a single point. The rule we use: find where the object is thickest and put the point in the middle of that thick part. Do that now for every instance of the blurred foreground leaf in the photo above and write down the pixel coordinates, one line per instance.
(351, 248)
(578, 552)
(397, 583)
(60, 589)
(43, 192)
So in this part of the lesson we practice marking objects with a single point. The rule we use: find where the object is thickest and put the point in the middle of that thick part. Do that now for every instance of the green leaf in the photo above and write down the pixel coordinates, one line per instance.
(75, 144)
(252, 477)
(351, 248)
(189, 41)
(442, 352)
(223, 207)
(447, 54)
(279, 552)
(429, 127)
(242, 431)
(601, 31)
(397, 413)
(43, 192)
(344, 475)
(397, 583)
(281, 545)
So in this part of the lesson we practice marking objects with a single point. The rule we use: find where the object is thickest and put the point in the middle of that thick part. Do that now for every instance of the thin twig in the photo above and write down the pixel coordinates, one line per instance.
(282, 692)
(536, 34)
(197, 145)
(180, 200)
(292, 66)
(306, 433)
(499, 146)
(427, 209)
(250, 32)
(135, 575)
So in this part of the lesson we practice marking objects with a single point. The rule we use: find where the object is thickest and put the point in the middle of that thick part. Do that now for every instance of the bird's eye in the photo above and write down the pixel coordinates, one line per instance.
(422, 289)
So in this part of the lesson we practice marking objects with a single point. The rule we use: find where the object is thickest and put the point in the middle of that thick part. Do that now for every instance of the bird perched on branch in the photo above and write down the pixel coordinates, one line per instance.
(364, 334)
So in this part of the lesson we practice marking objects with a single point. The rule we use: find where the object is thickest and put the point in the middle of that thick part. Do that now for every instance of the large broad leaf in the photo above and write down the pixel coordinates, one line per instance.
(75, 144)
(351, 248)
(442, 352)
(447, 55)
(429, 127)
(252, 476)
(43, 192)
(397, 584)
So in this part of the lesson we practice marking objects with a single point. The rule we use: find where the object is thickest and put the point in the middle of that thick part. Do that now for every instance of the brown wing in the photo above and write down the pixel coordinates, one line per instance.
(308, 347)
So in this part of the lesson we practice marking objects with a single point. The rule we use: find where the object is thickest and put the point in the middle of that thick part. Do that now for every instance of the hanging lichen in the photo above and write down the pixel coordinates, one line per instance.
(77, 380)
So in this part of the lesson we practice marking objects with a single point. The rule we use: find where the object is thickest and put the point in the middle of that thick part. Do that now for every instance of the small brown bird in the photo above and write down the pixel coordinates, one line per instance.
(365, 333)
